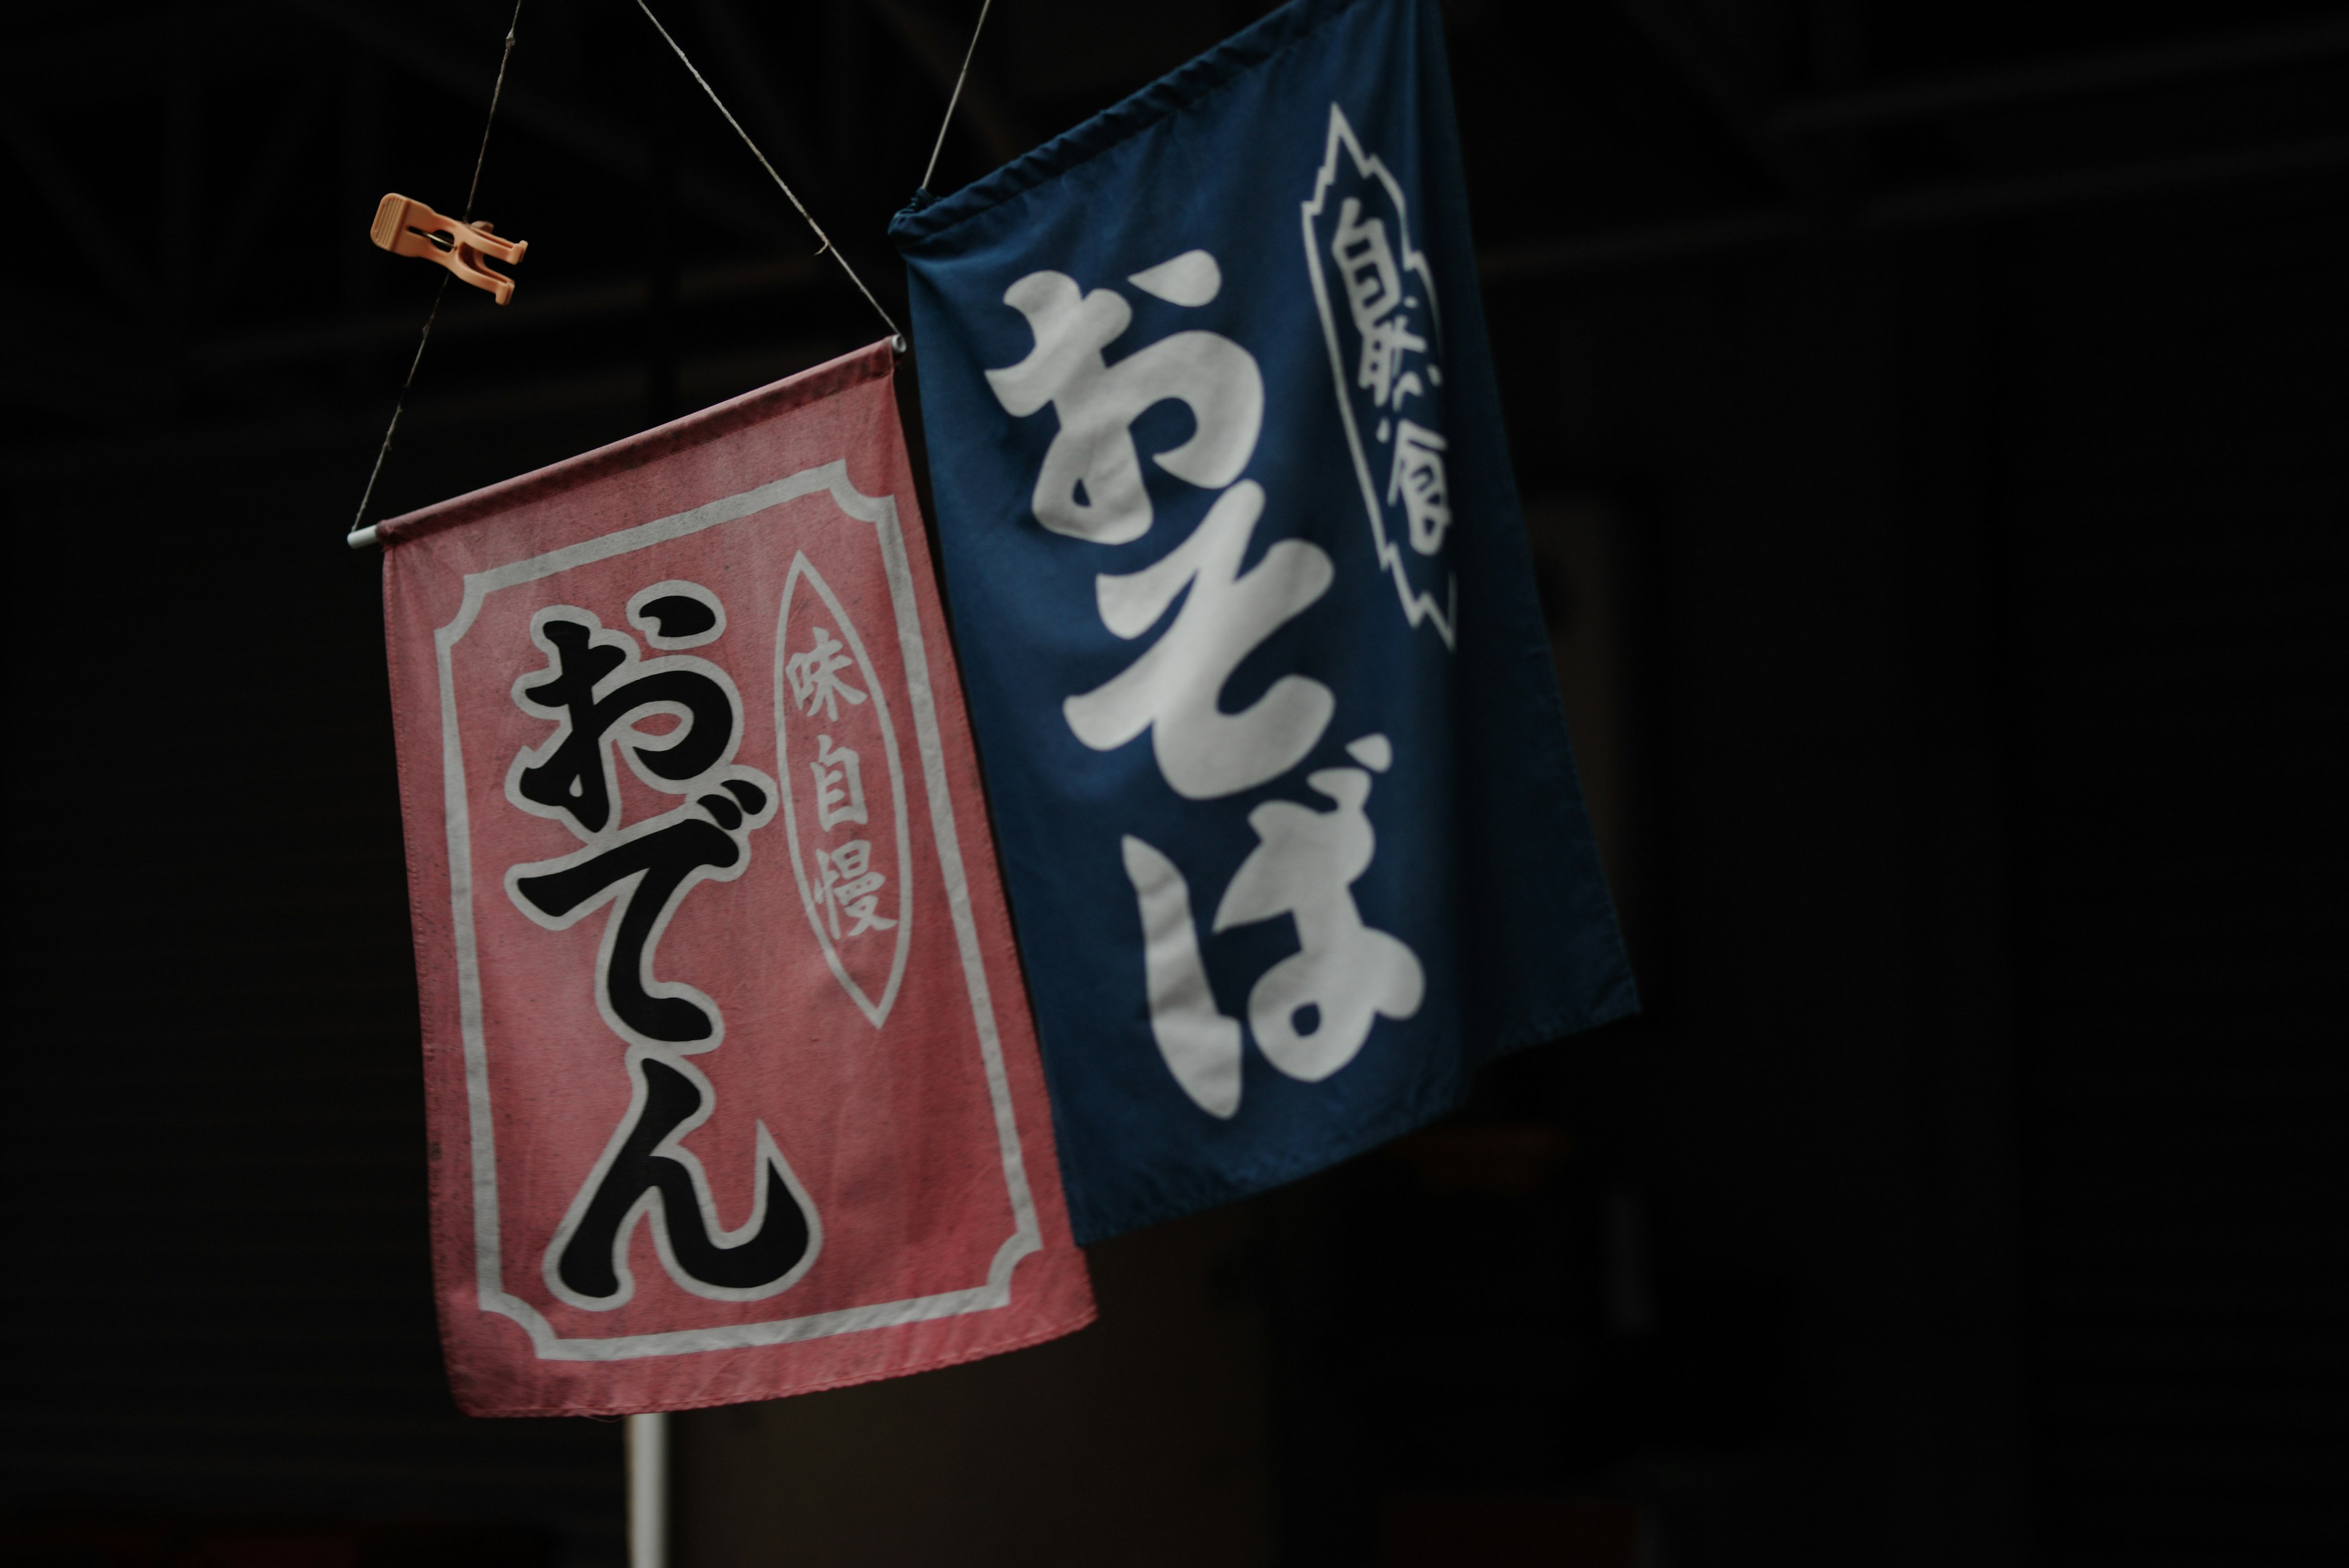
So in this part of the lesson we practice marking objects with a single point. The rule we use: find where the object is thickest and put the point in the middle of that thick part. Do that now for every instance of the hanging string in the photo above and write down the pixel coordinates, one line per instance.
(896, 338)
(955, 97)
(399, 404)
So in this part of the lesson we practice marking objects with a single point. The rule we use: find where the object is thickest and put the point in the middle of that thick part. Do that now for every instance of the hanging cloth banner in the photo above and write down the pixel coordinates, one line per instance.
(1247, 616)
(732, 1087)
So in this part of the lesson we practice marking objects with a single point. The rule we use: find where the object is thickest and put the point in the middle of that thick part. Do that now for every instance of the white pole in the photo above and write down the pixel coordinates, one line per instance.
(648, 1492)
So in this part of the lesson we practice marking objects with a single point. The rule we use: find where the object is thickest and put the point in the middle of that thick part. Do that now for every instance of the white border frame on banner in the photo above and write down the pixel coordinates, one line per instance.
(881, 511)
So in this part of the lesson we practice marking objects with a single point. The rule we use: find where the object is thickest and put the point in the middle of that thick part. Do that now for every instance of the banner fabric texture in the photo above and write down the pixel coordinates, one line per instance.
(1247, 617)
(732, 1085)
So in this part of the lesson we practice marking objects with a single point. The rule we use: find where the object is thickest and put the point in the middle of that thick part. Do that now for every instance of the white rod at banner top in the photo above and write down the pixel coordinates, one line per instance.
(648, 1491)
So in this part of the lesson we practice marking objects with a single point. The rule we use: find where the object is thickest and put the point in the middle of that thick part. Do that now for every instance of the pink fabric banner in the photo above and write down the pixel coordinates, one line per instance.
(732, 1085)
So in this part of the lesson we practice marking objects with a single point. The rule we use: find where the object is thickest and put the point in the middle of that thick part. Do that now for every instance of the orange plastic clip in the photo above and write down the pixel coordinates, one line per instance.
(406, 227)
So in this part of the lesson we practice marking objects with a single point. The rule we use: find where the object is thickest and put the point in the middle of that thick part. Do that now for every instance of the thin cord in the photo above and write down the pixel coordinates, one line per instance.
(399, 404)
(955, 97)
(898, 337)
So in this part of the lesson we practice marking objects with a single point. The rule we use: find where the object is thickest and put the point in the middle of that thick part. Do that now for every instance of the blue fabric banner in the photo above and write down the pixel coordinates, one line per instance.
(1245, 607)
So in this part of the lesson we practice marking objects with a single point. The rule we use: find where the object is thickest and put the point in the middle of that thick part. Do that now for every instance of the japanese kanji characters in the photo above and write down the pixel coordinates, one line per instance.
(1375, 298)
(845, 882)
(847, 885)
(1417, 481)
(814, 675)
(1384, 337)
(598, 689)
(839, 784)
(846, 813)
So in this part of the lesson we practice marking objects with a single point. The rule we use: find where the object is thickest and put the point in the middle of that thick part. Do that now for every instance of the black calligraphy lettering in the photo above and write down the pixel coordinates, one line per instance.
(589, 1265)
(571, 777)
(598, 687)
(666, 860)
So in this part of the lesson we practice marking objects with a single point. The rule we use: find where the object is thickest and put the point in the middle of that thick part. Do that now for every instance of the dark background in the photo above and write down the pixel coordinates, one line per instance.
(1931, 422)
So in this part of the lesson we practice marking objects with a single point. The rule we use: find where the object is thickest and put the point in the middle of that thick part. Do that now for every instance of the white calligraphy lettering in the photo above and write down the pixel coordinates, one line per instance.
(1312, 1011)
(839, 784)
(816, 676)
(1174, 689)
(1417, 481)
(1201, 1046)
(1090, 486)
(849, 886)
